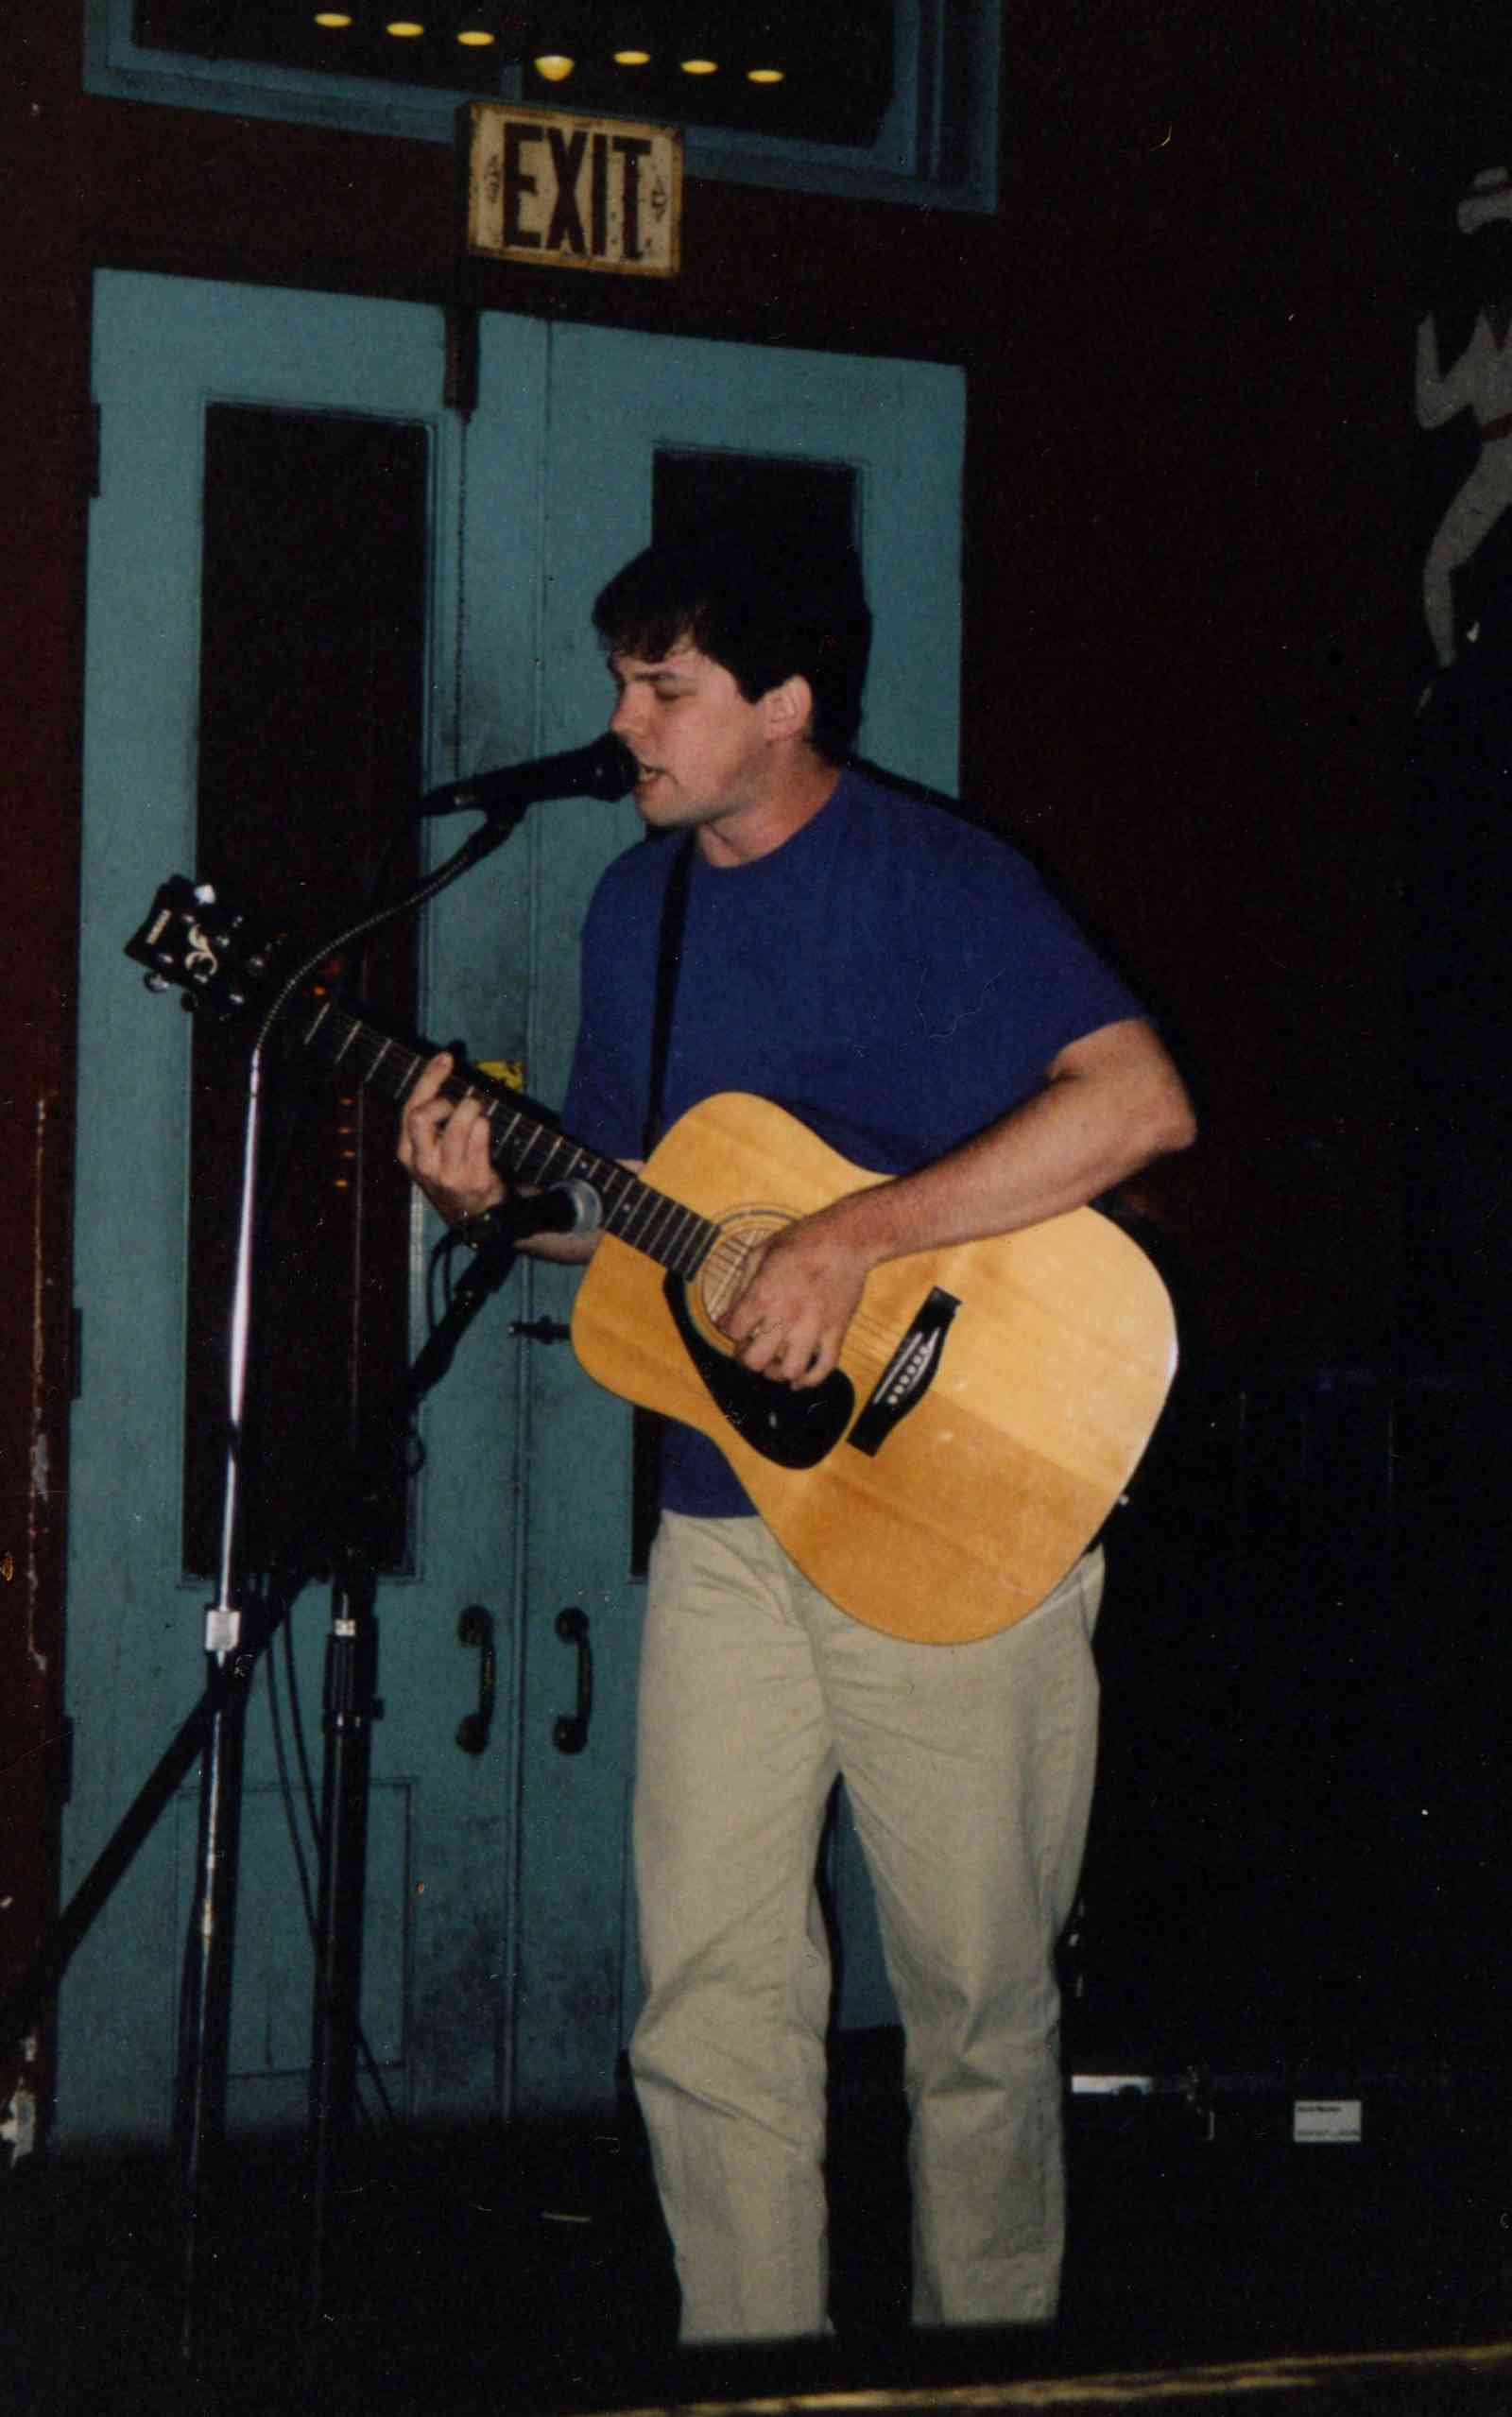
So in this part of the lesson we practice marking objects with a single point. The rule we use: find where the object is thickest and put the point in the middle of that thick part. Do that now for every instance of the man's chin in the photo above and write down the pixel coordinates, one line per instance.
(660, 803)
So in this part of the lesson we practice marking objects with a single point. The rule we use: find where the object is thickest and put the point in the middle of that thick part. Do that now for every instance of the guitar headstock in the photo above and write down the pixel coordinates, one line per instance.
(194, 943)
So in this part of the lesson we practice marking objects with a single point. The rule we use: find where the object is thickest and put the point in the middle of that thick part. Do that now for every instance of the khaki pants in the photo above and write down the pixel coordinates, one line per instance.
(970, 1772)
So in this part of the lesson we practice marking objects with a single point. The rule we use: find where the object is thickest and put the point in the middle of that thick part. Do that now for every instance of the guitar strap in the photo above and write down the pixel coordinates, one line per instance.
(669, 960)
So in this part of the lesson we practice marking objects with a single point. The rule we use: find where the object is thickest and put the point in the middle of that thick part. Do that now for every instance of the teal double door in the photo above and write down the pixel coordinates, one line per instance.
(499, 1937)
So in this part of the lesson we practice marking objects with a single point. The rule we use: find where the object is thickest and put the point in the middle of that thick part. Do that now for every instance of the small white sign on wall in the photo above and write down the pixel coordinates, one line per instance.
(1328, 2119)
(572, 192)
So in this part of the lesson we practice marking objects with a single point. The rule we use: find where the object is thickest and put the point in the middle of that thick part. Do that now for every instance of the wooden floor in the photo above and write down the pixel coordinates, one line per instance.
(528, 2272)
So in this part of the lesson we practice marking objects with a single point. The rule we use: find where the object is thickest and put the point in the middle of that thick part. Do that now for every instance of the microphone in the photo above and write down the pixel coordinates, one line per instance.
(606, 770)
(572, 1207)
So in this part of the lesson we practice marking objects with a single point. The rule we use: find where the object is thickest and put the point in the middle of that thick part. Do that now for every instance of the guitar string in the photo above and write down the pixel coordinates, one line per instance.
(727, 1251)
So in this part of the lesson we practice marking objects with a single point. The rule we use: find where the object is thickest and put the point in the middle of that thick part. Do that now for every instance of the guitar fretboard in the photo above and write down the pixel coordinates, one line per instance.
(524, 1149)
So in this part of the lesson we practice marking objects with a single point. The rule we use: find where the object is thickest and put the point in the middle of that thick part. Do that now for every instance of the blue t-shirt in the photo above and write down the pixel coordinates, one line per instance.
(891, 976)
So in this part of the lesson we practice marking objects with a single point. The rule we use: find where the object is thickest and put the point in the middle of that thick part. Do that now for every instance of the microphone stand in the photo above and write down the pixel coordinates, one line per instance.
(212, 1733)
(241, 1621)
(232, 1646)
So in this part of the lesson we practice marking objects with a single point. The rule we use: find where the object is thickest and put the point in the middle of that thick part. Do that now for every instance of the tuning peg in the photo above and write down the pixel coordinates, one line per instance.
(204, 893)
(155, 982)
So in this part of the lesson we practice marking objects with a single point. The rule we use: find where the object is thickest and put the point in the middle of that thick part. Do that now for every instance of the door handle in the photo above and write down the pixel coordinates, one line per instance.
(570, 1731)
(476, 1627)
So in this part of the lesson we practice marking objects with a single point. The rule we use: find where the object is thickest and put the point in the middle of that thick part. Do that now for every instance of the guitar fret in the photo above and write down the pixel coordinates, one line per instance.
(683, 1232)
(666, 1212)
(542, 1170)
(392, 1063)
(632, 1228)
(397, 1074)
(499, 1145)
(514, 1155)
(614, 1185)
(620, 1216)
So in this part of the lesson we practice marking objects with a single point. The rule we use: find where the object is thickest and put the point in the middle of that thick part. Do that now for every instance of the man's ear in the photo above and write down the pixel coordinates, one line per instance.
(789, 708)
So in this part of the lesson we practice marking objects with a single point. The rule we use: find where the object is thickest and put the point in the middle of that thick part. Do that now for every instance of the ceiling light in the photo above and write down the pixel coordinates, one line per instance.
(700, 66)
(555, 65)
(332, 17)
(764, 75)
(632, 58)
(475, 38)
(405, 29)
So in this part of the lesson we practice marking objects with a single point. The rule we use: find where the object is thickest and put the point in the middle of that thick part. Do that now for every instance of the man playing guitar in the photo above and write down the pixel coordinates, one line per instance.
(900, 983)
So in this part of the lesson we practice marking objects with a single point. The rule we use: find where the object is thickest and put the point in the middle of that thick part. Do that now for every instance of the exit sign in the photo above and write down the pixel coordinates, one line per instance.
(570, 192)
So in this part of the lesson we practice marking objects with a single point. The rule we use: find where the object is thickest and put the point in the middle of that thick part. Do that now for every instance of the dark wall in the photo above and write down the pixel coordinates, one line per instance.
(1219, 649)
(1191, 596)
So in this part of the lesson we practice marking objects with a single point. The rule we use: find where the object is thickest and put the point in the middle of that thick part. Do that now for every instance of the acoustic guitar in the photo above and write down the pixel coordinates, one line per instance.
(993, 1398)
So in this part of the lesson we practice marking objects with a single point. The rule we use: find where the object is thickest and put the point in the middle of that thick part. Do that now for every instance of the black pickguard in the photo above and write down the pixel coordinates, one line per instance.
(794, 1430)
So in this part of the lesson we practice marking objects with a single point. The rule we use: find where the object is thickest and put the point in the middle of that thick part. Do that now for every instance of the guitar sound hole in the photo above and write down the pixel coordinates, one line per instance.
(725, 1269)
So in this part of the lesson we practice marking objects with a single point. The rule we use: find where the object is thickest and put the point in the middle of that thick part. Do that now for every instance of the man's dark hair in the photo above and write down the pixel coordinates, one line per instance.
(763, 602)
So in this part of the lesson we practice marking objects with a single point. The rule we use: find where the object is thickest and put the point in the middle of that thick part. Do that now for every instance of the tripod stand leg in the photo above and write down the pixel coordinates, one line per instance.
(350, 1708)
(204, 2014)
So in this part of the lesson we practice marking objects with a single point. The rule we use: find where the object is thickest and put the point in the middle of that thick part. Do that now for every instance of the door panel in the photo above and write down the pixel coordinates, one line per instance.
(499, 1972)
(165, 352)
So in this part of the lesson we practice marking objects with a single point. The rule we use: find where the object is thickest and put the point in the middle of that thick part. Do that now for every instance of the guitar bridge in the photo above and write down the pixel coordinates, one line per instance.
(909, 1374)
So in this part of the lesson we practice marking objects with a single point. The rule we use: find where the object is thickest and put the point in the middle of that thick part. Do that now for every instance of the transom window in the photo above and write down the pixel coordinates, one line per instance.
(888, 99)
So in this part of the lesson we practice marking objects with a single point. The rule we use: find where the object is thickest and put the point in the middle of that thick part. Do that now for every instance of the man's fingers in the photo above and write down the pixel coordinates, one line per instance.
(441, 1136)
(424, 1113)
